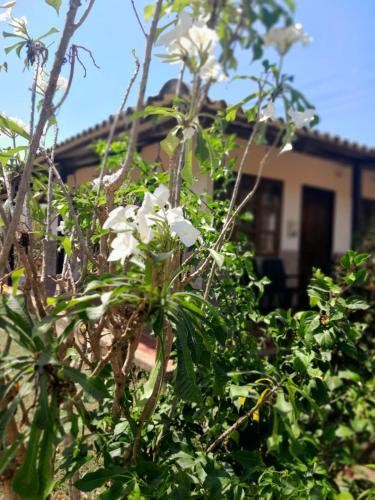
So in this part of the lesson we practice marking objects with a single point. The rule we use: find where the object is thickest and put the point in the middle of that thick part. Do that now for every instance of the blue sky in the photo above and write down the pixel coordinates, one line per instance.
(336, 72)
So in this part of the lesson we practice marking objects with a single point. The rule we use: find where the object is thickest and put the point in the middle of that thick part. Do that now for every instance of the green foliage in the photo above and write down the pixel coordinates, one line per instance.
(253, 406)
(56, 4)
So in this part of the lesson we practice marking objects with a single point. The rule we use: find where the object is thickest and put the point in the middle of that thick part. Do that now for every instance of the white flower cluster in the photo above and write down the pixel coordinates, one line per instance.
(193, 38)
(135, 225)
(302, 118)
(17, 23)
(299, 118)
(107, 179)
(283, 38)
(6, 15)
(43, 80)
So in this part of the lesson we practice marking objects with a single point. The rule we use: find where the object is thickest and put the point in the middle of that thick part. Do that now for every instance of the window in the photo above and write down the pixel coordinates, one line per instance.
(264, 230)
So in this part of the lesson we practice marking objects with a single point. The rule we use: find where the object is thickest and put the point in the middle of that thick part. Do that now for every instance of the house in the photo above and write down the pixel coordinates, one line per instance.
(311, 205)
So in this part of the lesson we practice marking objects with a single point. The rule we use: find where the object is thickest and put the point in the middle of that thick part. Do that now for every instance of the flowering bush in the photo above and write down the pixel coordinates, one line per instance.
(237, 404)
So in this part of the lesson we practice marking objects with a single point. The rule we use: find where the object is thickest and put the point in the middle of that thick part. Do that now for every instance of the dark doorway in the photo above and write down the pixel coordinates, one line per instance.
(316, 233)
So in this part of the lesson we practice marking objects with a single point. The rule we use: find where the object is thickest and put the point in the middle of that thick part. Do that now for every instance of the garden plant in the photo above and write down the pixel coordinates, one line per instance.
(239, 404)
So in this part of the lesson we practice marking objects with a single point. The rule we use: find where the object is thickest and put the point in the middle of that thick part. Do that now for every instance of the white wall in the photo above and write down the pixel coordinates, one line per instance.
(297, 170)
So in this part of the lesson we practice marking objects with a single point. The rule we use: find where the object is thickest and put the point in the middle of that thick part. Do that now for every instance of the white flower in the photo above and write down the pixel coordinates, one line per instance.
(302, 118)
(185, 230)
(107, 179)
(19, 25)
(62, 83)
(192, 38)
(6, 15)
(149, 202)
(287, 147)
(137, 224)
(61, 227)
(174, 215)
(42, 81)
(268, 113)
(152, 200)
(162, 195)
(212, 70)
(118, 219)
(203, 38)
(123, 246)
(181, 29)
(283, 38)
(144, 228)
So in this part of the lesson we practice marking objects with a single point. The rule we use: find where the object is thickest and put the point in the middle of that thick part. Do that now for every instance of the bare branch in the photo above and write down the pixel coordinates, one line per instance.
(133, 136)
(138, 18)
(115, 123)
(85, 251)
(221, 238)
(45, 114)
(84, 15)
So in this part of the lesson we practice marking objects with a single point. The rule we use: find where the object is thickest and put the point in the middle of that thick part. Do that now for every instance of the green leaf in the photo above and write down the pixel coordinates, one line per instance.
(186, 386)
(148, 12)
(13, 127)
(202, 152)
(93, 480)
(45, 466)
(16, 276)
(67, 245)
(344, 432)
(169, 144)
(52, 31)
(5, 155)
(26, 479)
(344, 495)
(6, 415)
(325, 339)
(16, 322)
(218, 258)
(147, 388)
(92, 385)
(56, 4)
(356, 303)
(7, 455)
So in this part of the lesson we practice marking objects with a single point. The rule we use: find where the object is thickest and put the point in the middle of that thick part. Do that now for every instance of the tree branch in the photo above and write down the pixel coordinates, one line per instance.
(45, 114)
(133, 136)
(84, 15)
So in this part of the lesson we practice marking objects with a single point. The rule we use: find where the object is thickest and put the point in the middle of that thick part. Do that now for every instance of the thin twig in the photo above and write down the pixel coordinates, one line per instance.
(133, 136)
(85, 251)
(115, 123)
(46, 112)
(242, 419)
(138, 18)
(221, 238)
(84, 15)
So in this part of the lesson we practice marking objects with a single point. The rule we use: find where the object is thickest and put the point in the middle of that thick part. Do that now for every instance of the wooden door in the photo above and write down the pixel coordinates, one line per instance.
(316, 232)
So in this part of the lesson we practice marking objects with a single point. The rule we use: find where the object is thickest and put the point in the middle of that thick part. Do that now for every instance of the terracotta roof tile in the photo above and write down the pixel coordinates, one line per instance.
(323, 137)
